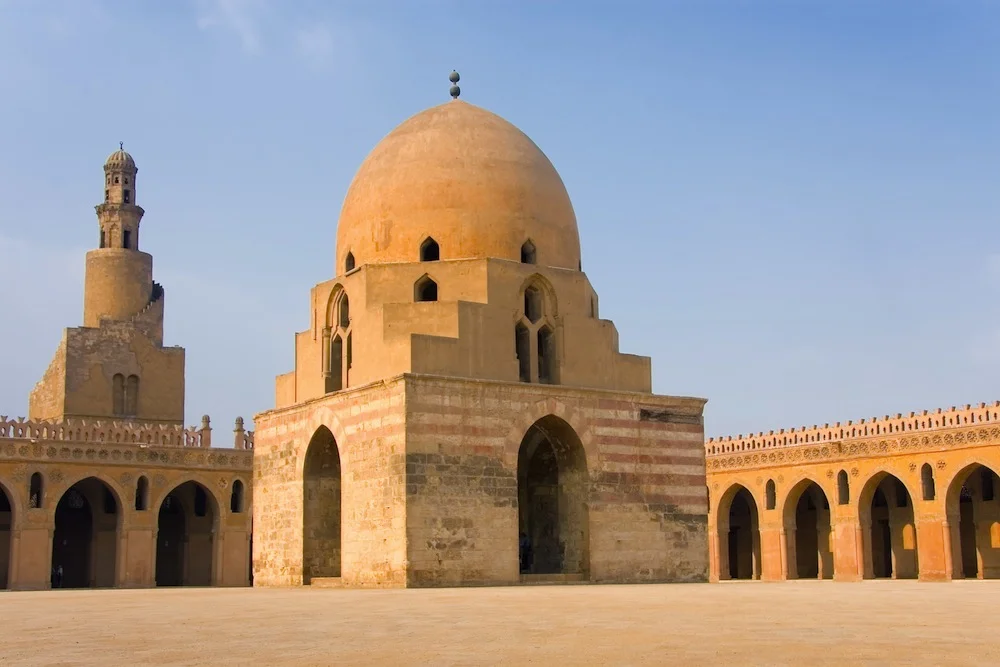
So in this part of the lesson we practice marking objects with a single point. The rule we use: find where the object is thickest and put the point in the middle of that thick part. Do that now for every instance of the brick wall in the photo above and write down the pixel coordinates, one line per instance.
(367, 424)
(647, 494)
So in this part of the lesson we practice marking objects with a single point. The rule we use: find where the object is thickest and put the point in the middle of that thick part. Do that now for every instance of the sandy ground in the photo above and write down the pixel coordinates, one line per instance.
(792, 623)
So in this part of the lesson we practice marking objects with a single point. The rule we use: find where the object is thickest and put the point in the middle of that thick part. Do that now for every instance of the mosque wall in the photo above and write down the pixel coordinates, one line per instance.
(124, 472)
(913, 496)
(640, 476)
(365, 425)
(429, 483)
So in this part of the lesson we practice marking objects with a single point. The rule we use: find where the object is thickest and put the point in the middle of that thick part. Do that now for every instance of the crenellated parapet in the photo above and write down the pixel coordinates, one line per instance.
(924, 421)
(119, 432)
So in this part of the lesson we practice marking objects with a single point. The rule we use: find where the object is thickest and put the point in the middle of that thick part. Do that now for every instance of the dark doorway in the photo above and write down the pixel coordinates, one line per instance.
(553, 493)
(185, 537)
(742, 538)
(321, 528)
(85, 539)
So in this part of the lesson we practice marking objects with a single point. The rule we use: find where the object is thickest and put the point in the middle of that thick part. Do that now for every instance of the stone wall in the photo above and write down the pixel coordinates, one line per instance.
(644, 459)
(120, 456)
(922, 464)
(367, 426)
(86, 363)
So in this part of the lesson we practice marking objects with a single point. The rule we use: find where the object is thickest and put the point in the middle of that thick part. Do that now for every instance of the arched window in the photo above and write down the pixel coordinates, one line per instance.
(927, 481)
(425, 289)
(118, 394)
(142, 494)
(345, 312)
(336, 377)
(127, 238)
(349, 262)
(132, 396)
(522, 345)
(532, 304)
(843, 488)
(236, 498)
(528, 255)
(430, 251)
(769, 496)
(35, 491)
(546, 356)
(104, 239)
(336, 360)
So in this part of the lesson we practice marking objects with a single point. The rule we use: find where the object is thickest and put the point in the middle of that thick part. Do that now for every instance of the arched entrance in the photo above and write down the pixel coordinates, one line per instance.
(553, 490)
(973, 506)
(890, 535)
(739, 535)
(6, 532)
(185, 537)
(808, 533)
(321, 503)
(85, 540)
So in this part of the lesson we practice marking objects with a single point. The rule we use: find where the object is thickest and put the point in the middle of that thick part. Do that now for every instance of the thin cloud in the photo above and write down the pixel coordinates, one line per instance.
(241, 17)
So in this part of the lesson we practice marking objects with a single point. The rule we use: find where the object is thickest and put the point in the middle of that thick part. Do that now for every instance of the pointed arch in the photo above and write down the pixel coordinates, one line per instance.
(430, 251)
(36, 491)
(737, 521)
(972, 504)
(888, 527)
(7, 516)
(553, 498)
(187, 527)
(539, 282)
(808, 528)
(425, 289)
(321, 507)
(529, 254)
(349, 262)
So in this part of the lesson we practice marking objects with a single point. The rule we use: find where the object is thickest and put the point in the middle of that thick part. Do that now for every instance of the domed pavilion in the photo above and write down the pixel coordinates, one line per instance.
(459, 413)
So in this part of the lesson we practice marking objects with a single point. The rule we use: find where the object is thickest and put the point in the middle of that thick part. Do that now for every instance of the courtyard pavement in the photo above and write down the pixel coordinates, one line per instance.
(793, 623)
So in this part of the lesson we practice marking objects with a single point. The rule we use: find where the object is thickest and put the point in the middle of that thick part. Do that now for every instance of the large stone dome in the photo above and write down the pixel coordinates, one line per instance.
(465, 177)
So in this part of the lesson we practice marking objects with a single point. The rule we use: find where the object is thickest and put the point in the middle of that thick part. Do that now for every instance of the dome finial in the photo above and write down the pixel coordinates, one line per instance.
(455, 90)
(121, 145)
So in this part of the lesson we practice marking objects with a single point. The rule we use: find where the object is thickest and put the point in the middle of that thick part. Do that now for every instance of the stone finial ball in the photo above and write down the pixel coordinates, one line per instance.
(455, 91)
(454, 77)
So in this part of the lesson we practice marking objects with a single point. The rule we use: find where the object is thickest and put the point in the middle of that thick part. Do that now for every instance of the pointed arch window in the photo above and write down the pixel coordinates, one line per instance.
(118, 395)
(132, 396)
(430, 251)
(927, 482)
(535, 335)
(35, 491)
(337, 352)
(528, 253)
(349, 262)
(142, 494)
(770, 501)
(425, 289)
(236, 498)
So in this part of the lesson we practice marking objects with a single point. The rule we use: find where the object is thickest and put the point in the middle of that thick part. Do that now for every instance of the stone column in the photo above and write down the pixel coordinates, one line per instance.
(848, 562)
(772, 553)
(790, 551)
(717, 561)
(933, 549)
(138, 550)
(31, 553)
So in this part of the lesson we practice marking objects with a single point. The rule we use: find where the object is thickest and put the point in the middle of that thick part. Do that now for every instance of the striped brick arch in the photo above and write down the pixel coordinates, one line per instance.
(556, 408)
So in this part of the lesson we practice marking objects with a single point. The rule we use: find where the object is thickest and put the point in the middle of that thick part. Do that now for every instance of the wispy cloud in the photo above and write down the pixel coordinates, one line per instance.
(315, 45)
(241, 17)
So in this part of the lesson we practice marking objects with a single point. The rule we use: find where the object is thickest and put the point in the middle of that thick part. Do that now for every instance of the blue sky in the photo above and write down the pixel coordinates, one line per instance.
(791, 206)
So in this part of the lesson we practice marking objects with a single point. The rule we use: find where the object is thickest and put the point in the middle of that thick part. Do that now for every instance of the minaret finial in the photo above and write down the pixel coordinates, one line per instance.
(455, 90)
